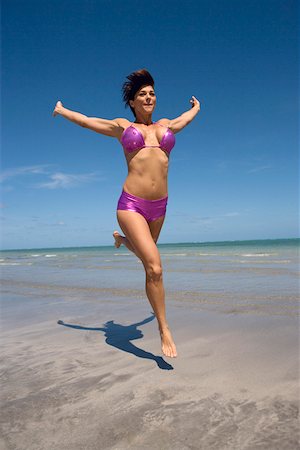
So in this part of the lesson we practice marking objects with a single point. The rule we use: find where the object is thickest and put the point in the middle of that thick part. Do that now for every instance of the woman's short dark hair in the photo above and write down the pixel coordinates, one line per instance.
(134, 82)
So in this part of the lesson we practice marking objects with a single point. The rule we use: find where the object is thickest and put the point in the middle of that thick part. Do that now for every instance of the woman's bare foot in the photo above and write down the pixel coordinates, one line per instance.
(118, 239)
(167, 344)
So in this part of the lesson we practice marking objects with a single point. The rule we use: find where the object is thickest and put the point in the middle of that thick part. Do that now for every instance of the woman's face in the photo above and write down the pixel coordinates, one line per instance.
(144, 100)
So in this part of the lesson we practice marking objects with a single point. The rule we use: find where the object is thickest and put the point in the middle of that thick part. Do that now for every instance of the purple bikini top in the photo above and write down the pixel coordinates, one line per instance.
(133, 140)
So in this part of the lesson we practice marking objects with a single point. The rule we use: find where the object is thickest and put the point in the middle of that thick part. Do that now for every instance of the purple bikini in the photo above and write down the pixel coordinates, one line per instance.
(132, 140)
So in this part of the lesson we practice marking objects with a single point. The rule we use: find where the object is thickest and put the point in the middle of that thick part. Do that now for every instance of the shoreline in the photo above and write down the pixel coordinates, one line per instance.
(204, 243)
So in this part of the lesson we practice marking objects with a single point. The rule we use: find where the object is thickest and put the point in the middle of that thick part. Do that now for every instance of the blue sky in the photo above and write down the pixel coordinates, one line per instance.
(234, 171)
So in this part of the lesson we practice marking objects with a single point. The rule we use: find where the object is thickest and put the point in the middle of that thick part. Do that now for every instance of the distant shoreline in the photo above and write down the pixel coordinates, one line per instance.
(210, 243)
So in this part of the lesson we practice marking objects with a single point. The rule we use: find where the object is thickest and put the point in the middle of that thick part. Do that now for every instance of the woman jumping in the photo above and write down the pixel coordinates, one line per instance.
(142, 206)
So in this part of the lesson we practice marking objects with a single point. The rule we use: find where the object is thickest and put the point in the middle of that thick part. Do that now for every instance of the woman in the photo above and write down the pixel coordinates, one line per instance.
(142, 206)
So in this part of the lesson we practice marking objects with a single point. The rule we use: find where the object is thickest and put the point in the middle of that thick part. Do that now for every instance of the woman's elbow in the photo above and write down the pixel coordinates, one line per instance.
(84, 122)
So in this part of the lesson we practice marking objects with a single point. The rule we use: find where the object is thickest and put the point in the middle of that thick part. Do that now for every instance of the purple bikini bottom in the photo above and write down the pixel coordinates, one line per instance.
(149, 209)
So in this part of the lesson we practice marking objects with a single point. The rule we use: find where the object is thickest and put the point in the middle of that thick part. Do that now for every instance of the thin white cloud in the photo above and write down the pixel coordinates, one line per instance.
(56, 180)
(226, 165)
(202, 220)
(231, 214)
(25, 170)
(259, 169)
(55, 224)
(60, 180)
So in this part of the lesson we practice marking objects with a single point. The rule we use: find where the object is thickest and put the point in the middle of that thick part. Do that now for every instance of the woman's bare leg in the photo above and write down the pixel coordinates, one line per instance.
(155, 228)
(137, 231)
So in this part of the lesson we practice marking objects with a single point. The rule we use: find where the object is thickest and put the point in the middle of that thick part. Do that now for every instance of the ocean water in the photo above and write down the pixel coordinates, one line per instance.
(254, 277)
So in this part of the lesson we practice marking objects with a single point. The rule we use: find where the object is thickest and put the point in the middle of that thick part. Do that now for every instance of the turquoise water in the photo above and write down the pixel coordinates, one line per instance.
(242, 276)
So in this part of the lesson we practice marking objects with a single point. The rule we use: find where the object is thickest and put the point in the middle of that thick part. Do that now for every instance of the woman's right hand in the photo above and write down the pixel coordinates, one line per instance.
(195, 103)
(57, 108)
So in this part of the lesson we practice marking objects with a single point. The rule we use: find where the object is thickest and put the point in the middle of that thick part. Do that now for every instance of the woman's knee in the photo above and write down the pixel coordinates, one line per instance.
(153, 272)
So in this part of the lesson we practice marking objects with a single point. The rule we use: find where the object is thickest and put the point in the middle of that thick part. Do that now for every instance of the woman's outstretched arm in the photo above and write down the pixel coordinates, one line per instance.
(184, 119)
(148, 319)
(107, 127)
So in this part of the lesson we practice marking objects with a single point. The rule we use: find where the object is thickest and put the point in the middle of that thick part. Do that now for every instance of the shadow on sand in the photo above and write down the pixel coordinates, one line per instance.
(119, 336)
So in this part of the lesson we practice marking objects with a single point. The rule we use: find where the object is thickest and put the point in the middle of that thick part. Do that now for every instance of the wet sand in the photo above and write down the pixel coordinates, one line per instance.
(80, 384)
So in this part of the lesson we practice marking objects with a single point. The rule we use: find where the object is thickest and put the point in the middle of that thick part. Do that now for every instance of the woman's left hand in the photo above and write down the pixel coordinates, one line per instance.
(57, 108)
(195, 102)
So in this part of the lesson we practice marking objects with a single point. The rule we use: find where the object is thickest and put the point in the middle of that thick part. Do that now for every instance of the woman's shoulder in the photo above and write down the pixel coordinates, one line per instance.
(122, 122)
(165, 122)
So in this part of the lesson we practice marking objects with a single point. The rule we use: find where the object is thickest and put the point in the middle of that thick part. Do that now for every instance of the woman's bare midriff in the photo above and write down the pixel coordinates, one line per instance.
(147, 173)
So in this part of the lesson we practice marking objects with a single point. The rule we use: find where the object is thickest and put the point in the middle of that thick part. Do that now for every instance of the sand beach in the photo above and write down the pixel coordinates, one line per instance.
(82, 366)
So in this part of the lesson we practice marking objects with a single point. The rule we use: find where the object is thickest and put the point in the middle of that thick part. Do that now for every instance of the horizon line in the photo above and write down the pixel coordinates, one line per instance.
(166, 243)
